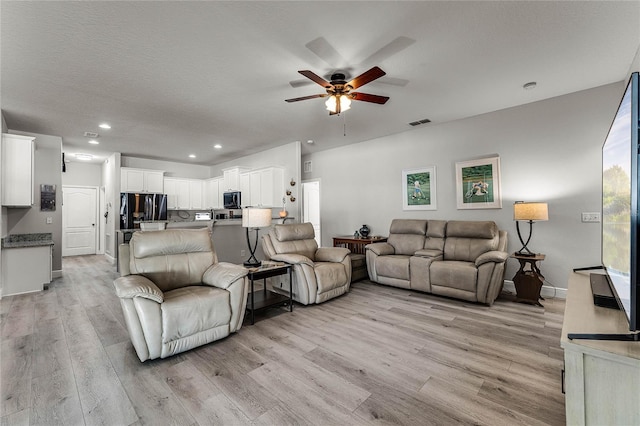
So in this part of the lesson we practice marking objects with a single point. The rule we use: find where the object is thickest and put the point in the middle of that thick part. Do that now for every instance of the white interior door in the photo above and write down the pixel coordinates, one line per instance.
(79, 220)
(311, 206)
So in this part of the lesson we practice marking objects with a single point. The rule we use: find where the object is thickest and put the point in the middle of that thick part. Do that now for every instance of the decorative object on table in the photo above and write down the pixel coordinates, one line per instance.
(47, 198)
(528, 212)
(355, 235)
(419, 189)
(364, 231)
(283, 213)
(254, 218)
(478, 184)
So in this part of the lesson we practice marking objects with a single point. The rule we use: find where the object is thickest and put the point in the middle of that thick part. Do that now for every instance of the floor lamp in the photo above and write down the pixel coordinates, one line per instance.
(529, 212)
(254, 218)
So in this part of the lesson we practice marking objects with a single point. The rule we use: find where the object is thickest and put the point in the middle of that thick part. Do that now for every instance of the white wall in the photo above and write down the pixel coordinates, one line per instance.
(172, 169)
(82, 174)
(549, 150)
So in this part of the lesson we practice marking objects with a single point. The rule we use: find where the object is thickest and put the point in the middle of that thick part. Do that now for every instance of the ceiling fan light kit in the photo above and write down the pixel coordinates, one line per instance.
(340, 92)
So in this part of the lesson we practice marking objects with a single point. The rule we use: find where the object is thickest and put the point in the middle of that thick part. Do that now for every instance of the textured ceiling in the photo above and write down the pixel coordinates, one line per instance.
(175, 78)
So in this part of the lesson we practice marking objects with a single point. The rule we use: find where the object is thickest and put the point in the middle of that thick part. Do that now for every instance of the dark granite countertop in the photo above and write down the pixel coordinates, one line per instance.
(27, 240)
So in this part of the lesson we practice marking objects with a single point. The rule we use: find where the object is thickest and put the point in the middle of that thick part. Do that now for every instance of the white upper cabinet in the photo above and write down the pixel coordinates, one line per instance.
(232, 178)
(267, 187)
(184, 194)
(195, 194)
(17, 170)
(245, 189)
(212, 194)
(140, 180)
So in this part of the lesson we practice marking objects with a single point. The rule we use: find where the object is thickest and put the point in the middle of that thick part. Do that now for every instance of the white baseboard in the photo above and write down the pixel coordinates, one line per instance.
(546, 291)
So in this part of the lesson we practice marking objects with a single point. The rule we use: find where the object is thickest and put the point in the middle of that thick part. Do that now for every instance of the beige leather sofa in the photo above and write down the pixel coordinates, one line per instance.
(174, 293)
(461, 259)
(319, 274)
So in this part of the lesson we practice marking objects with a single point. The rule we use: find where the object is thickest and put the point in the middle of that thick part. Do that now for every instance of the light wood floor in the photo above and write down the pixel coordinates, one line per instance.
(378, 355)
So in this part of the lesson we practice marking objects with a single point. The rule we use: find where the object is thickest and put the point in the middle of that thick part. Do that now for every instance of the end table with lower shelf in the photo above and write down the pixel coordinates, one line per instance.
(356, 245)
(528, 282)
(265, 298)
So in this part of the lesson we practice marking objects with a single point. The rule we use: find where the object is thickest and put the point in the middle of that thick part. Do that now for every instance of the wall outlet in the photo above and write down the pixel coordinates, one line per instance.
(591, 217)
(243, 252)
(49, 220)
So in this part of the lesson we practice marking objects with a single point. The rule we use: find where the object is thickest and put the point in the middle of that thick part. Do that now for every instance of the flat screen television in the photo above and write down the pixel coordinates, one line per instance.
(620, 203)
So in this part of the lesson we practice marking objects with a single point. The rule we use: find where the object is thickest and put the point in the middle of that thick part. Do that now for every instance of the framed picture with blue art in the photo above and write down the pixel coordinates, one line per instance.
(478, 184)
(419, 189)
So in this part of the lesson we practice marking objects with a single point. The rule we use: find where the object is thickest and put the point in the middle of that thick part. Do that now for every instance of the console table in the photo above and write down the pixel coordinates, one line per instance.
(266, 298)
(601, 378)
(528, 282)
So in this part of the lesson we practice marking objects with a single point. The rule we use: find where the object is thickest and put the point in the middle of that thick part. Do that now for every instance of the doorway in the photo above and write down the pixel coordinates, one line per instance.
(311, 206)
(79, 220)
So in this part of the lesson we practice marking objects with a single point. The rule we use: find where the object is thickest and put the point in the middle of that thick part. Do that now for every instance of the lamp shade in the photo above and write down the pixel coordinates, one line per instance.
(530, 211)
(256, 218)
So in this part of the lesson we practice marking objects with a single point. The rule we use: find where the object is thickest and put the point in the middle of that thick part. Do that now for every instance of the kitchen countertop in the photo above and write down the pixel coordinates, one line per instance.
(27, 240)
(203, 223)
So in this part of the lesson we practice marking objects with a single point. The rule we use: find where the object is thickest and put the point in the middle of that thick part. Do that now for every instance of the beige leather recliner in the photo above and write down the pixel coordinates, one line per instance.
(174, 293)
(319, 274)
(461, 259)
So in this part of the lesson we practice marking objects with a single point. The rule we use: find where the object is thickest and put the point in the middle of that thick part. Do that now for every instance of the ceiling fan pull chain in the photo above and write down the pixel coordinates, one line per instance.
(344, 124)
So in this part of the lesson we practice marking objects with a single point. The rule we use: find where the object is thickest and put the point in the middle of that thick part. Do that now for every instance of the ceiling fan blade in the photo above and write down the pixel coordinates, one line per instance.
(369, 98)
(326, 52)
(316, 78)
(304, 98)
(366, 77)
(393, 47)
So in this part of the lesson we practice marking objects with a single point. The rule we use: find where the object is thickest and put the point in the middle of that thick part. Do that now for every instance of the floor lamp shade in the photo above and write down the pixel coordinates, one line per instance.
(529, 212)
(254, 218)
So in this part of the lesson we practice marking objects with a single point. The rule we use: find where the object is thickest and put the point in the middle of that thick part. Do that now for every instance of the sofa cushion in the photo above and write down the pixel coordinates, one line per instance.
(454, 274)
(408, 226)
(466, 240)
(190, 310)
(396, 266)
(296, 238)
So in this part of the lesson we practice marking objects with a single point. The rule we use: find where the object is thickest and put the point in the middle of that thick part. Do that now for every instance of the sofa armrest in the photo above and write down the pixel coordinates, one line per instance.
(381, 249)
(132, 286)
(223, 274)
(492, 256)
(293, 259)
(331, 254)
(429, 253)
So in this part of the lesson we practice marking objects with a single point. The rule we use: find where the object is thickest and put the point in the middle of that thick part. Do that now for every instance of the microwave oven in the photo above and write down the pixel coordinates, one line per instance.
(231, 200)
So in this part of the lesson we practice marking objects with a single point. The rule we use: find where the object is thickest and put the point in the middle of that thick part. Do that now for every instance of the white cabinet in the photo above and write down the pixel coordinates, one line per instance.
(232, 178)
(184, 194)
(17, 170)
(212, 194)
(267, 187)
(25, 269)
(245, 189)
(140, 180)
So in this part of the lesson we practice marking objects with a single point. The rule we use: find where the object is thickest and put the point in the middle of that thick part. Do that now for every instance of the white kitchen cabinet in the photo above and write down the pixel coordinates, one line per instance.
(267, 187)
(231, 178)
(170, 188)
(195, 194)
(17, 170)
(245, 189)
(212, 194)
(183, 191)
(141, 180)
(25, 269)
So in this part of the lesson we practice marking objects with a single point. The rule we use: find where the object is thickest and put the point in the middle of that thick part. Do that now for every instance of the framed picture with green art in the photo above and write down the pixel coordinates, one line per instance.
(419, 189)
(478, 184)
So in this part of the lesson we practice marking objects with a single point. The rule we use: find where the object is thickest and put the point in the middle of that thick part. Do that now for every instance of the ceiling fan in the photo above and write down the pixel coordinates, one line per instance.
(340, 92)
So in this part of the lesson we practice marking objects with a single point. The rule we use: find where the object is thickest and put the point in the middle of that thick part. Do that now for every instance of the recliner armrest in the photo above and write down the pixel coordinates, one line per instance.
(381, 249)
(223, 274)
(431, 253)
(131, 286)
(293, 259)
(492, 256)
(331, 254)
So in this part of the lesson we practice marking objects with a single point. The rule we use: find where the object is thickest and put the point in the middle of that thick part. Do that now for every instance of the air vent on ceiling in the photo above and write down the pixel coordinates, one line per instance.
(91, 135)
(307, 167)
(419, 122)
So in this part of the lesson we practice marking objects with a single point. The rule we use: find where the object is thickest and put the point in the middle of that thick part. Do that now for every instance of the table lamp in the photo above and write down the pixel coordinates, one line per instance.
(528, 212)
(255, 218)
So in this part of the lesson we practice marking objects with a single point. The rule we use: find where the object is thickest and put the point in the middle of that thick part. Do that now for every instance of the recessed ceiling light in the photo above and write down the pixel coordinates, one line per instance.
(192, 156)
(310, 141)
(530, 85)
(94, 142)
(217, 146)
(84, 157)
(104, 126)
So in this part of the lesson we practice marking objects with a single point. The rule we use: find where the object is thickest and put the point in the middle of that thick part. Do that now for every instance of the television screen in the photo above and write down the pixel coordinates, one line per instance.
(620, 203)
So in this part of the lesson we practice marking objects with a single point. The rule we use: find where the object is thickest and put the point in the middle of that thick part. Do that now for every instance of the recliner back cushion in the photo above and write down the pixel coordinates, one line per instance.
(407, 235)
(173, 258)
(466, 240)
(296, 238)
(436, 231)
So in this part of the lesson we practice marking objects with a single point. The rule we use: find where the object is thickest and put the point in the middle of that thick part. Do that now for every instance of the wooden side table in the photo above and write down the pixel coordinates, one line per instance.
(356, 245)
(266, 298)
(528, 282)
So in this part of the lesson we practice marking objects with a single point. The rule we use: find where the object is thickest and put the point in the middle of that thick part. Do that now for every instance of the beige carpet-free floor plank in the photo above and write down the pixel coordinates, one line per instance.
(377, 355)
